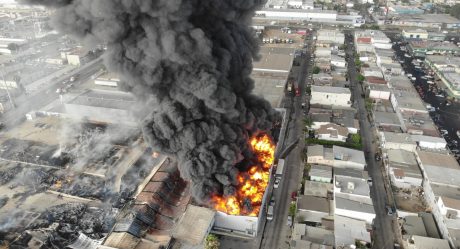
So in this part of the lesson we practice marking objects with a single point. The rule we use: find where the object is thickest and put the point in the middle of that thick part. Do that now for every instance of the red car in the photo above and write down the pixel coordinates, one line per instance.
(297, 92)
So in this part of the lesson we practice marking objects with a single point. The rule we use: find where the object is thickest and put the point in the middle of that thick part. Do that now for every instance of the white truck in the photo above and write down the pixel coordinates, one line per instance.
(280, 168)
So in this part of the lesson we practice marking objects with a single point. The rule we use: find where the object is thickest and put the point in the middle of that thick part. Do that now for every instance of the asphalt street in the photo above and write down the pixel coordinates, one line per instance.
(40, 99)
(277, 232)
(384, 235)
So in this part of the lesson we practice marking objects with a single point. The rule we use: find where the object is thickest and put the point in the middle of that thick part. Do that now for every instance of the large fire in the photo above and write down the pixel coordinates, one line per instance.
(251, 184)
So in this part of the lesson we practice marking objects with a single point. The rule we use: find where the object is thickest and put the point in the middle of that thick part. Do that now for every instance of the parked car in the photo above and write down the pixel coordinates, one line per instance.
(289, 221)
(389, 211)
(277, 183)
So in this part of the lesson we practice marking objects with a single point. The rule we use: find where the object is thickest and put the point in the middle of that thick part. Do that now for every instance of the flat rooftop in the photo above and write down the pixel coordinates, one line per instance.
(351, 185)
(194, 225)
(405, 163)
(274, 60)
(104, 99)
(313, 203)
(319, 189)
(271, 89)
(330, 89)
(351, 205)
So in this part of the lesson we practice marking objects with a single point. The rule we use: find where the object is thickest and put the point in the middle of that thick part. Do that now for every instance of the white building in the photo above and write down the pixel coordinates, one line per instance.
(338, 62)
(298, 14)
(326, 95)
(379, 91)
(354, 209)
(348, 158)
(429, 142)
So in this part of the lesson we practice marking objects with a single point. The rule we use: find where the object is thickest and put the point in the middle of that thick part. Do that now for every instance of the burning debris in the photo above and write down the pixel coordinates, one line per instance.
(189, 63)
(251, 184)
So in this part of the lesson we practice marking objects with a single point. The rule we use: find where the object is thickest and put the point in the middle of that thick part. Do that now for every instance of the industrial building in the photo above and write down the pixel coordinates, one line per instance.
(94, 105)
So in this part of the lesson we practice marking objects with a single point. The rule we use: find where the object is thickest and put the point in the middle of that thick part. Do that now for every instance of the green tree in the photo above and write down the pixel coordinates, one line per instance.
(316, 70)
(361, 78)
(292, 209)
(212, 242)
(455, 11)
(356, 138)
(308, 122)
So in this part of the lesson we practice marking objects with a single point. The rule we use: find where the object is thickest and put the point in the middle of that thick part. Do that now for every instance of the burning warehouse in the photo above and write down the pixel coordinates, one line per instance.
(188, 63)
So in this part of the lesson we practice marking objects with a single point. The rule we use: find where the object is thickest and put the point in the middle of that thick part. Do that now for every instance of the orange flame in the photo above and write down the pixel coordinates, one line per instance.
(252, 184)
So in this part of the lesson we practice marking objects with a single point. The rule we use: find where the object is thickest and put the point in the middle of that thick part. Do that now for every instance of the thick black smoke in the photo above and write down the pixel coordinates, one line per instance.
(189, 61)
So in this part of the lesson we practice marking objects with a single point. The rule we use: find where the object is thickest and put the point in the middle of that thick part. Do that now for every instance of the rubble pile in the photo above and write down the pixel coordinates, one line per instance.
(61, 225)
(32, 152)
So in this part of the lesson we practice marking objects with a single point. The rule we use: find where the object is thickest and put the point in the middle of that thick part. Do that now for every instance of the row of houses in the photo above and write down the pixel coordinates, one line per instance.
(334, 209)
(417, 163)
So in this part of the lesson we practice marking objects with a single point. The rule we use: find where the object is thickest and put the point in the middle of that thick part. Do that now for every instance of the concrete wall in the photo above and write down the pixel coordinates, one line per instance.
(311, 216)
(400, 146)
(320, 160)
(368, 218)
(375, 94)
(238, 225)
(406, 182)
(348, 165)
(438, 217)
(329, 138)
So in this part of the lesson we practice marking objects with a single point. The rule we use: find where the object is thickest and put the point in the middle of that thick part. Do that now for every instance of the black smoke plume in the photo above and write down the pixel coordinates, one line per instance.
(189, 62)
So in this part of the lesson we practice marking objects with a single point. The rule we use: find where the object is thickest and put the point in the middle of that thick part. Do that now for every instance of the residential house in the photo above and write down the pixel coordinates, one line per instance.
(348, 158)
(318, 154)
(378, 91)
(332, 132)
(313, 208)
(403, 169)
